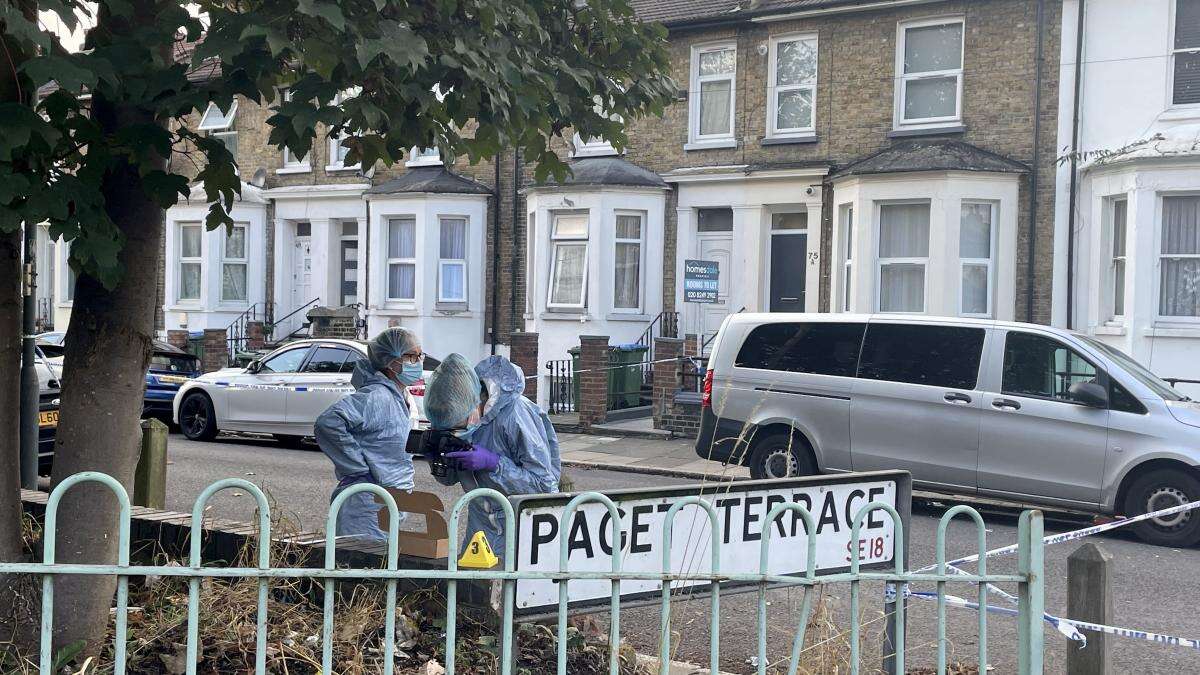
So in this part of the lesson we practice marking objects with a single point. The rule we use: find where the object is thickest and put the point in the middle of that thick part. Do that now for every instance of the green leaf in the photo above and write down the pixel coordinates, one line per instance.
(328, 11)
(67, 71)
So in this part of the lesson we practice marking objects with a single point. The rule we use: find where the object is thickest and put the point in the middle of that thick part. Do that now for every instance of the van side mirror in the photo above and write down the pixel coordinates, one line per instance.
(254, 366)
(1089, 394)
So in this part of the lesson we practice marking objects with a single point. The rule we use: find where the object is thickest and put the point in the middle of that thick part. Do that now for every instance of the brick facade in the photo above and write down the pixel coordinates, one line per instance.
(593, 380)
(524, 354)
(665, 377)
(216, 350)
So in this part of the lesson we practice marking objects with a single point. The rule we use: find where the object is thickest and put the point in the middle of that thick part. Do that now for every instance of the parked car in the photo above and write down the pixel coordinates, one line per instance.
(170, 368)
(51, 343)
(1010, 410)
(281, 394)
(49, 390)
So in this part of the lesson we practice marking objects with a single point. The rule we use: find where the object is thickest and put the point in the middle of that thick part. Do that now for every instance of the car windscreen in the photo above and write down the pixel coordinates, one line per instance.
(1135, 369)
(173, 363)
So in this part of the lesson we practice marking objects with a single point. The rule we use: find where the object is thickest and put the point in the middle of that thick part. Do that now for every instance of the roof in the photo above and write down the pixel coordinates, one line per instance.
(430, 179)
(1181, 141)
(684, 12)
(932, 155)
(607, 171)
(250, 194)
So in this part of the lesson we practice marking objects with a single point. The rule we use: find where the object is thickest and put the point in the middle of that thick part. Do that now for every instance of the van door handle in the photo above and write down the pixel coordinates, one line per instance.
(957, 397)
(1006, 404)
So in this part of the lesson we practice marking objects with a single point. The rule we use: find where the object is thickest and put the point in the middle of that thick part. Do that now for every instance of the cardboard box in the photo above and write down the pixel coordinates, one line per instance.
(434, 541)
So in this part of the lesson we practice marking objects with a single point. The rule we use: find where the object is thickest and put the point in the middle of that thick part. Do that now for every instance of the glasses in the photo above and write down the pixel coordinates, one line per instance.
(412, 357)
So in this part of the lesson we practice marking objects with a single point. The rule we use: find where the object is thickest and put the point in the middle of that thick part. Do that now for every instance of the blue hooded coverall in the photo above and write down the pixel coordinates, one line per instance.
(366, 435)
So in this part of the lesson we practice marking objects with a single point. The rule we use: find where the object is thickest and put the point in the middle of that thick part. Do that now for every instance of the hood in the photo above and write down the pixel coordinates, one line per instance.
(1187, 412)
(220, 374)
(505, 384)
(366, 375)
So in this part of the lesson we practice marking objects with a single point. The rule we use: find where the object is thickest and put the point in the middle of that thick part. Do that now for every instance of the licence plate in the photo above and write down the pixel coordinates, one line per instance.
(48, 418)
(172, 379)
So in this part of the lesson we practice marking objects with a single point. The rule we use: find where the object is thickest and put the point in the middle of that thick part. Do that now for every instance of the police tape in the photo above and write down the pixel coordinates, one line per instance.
(623, 366)
(286, 387)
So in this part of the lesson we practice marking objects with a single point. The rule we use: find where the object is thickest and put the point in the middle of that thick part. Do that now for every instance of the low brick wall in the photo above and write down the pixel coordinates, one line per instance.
(682, 416)
(216, 350)
(523, 352)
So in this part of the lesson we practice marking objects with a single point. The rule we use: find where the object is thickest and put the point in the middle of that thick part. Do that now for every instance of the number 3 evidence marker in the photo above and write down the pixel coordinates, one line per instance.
(478, 554)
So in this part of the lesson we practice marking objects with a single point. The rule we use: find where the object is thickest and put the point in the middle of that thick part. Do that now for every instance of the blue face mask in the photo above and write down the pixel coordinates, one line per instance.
(410, 374)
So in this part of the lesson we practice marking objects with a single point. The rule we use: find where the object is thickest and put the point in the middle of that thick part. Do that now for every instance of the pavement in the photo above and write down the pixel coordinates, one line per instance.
(608, 447)
(1153, 588)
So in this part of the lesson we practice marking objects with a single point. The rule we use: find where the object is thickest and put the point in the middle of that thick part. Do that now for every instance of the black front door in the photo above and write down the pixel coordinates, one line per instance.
(788, 253)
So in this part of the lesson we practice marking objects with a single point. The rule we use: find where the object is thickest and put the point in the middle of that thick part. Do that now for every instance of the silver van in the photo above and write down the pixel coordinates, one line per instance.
(970, 407)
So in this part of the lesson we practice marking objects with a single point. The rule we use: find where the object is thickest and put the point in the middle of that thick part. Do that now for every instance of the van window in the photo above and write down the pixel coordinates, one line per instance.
(1042, 367)
(938, 356)
(818, 348)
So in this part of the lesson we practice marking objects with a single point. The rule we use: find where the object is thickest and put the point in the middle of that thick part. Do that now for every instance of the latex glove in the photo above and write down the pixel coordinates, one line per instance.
(478, 458)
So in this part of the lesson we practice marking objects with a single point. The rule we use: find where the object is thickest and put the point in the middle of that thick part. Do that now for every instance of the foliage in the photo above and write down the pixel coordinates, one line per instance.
(470, 77)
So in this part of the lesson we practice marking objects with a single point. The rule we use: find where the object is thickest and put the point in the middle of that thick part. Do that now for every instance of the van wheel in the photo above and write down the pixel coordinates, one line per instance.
(781, 455)
(197, 419)
(1161, 489)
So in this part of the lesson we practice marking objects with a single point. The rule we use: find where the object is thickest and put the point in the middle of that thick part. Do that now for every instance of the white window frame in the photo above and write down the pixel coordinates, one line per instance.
(846, 252)
(1160, 318)
(335, 142)
(290, 163)
(423, 157)
(181, 260)
(641, 244)
(774, 89)
(1109, 302)
(244, 262)
(723, 140)
(989, 262)
(389, 261)
(880, 264)
(443, 263)
(593, 146)
(903, 79)
(224, 123)
(555, 242)
(531, 233)
(1171, 104)
(69, 275)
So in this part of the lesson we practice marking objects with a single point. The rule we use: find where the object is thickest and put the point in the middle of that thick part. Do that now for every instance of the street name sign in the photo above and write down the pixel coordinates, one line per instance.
(700, 281)
(741, 509)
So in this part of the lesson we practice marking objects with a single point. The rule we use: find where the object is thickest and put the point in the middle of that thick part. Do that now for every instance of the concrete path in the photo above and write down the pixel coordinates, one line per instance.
(669, 457)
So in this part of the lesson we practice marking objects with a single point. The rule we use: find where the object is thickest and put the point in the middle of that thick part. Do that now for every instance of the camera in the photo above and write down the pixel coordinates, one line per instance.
(434, 446)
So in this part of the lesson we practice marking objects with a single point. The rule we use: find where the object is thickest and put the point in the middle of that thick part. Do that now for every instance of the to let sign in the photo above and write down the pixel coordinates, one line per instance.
(741, 510)
(700, 281)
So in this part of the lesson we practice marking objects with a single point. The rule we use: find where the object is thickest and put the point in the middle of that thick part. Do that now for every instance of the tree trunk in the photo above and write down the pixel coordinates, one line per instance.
(10, 396)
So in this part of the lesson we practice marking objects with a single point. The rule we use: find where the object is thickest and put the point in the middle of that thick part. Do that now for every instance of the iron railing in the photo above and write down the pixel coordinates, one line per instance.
(45, 315)
(691, 372)
(666, 324)
(1029, 578)
(237, 334)
(561, 384)
(280, 322)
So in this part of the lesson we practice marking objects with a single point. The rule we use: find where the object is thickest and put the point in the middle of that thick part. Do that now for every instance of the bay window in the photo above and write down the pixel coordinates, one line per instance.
(627, 277)
(402, 258)
(568, 261)
(1185, 54)
(1179, 258)
(452, 260)
(903, 256)
(975, 253)
(1119, 214)
(929, 71)
(191, 237)
(792, 85)
(713, 93)
(233, 265)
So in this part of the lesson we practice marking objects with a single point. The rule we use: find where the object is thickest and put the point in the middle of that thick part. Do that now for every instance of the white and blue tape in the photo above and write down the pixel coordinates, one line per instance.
(275, 387)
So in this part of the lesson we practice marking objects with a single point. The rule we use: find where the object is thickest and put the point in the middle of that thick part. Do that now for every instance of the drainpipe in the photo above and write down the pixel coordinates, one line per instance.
(496, 254)
(516, 241)
(1074, 190)
(1037, 158)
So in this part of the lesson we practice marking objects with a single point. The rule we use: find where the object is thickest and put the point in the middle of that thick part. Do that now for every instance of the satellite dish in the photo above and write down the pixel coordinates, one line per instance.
(260, 178)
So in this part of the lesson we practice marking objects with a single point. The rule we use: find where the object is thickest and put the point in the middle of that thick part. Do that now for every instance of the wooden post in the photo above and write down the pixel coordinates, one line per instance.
(1089, 598)
(150, 480)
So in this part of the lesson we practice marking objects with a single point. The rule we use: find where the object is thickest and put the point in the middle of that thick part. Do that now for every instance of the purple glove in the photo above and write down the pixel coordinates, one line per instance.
(478, 458)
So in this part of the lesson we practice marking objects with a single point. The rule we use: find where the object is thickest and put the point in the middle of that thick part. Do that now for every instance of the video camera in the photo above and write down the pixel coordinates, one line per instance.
(435, 445)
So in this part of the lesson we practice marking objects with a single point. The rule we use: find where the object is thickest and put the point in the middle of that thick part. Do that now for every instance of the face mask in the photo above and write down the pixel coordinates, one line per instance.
(410, 374)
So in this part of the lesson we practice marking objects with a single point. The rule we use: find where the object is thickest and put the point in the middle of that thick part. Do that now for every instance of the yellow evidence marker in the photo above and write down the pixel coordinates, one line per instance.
(478, 554)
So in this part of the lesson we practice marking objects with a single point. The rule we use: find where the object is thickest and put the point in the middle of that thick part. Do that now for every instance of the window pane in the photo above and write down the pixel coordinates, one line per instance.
(326, 360)
(1181, 225)
(453, 244)
(939, 356)
(285, 362)
(1180, 287)
(1118, 288)
(714, 107)
(714, 220)
(629, 227)
(796, 62)
(348, 366)
(819, 348)
(1119, 212)
(975, 231)
(796, 220)
(235, 243)
(189, 241)
(848, 225)
(304, 229)
(189, 281)
(717, 62)
(230, 141)
(1187, 78)
(402, 281)
(233, 282)
(932, 97)
(626, 294)
(974, 289)
(349, 228)
(795, 109)
(902, 288)
(571, 225)
(1039, 366)
(453, 279)
(402, 238)
(903, 230)
(930, 48)
(1187, 24)
(566, 286)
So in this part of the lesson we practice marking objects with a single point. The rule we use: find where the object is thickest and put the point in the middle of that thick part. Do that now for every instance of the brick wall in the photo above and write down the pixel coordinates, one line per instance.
(216, 350)
(593, 380)
(665, 377)
(524, 354)
(682, 417)
(178, 338)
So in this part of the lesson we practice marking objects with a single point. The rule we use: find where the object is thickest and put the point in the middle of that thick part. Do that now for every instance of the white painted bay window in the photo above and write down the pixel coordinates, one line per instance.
(218, 124)
(191, 263)
(713, 94)
(402, 258)
(1179, 259)
(792, 86)
(846, 245)
(452, 260)
(903, 257)
(568, 264)
(929, 72)
(1118, 229)
(1185, 54)
(627, 273)
(233, 265)
(976, 246)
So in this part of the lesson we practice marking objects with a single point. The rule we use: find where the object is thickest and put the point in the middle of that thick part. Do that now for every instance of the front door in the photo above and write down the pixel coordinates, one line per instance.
(301, 280)
(349, 286)
(788, 273)
(720, 250)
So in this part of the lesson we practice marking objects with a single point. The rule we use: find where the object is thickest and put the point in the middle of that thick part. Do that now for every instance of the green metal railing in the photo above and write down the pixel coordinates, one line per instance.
(1029, 579)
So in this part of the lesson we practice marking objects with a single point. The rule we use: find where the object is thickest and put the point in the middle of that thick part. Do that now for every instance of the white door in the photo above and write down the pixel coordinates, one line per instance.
(719, 249)
(301, 282)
